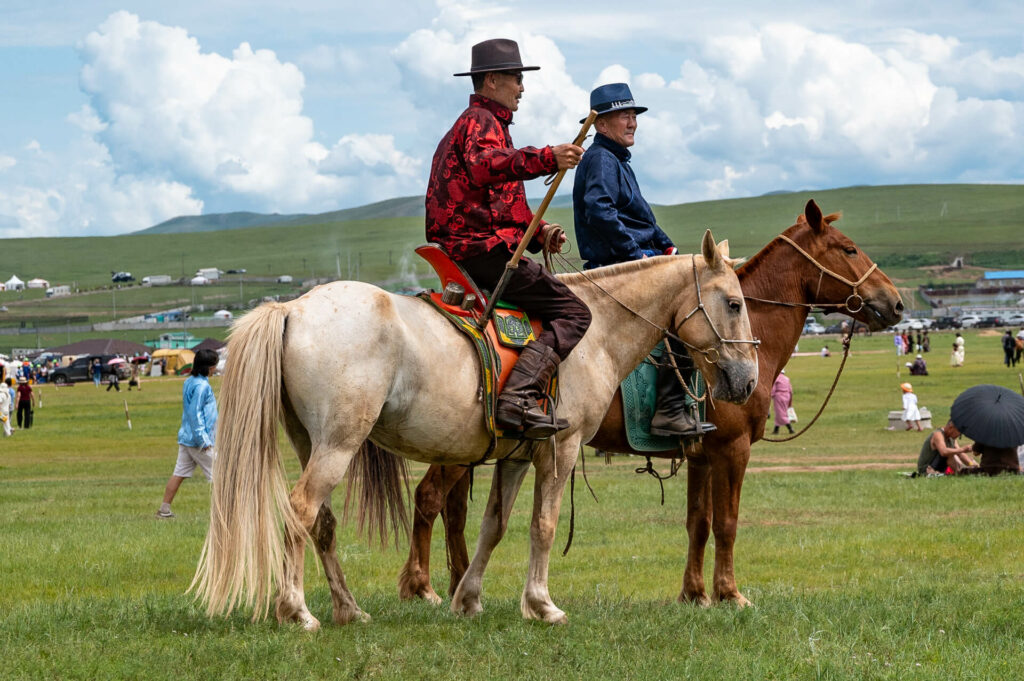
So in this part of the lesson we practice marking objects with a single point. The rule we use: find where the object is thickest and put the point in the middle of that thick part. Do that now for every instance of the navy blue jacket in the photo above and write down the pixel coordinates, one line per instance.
(613, 221)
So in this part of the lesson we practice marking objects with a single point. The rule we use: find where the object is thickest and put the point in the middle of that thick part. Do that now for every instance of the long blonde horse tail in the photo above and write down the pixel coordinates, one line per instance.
(243, 558)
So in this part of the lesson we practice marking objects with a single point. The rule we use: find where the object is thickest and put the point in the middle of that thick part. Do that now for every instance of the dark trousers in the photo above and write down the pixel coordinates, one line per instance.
(564, 317)
(24, 411)
(115, 385)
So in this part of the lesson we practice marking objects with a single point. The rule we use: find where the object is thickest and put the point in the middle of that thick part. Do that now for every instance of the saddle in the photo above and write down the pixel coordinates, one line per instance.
(498, 344)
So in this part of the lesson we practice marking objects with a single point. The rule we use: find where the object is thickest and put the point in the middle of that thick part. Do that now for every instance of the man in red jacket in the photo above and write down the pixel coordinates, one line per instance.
(476, 210)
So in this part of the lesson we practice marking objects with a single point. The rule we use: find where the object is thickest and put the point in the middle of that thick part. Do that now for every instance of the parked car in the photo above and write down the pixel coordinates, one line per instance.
(946, 323)
(1014, 319)
(238, 271)
(989, 321)
(908, 324)
(118, 277)
(969, 321)
(859, 327)
(813, 327)
(81, 370)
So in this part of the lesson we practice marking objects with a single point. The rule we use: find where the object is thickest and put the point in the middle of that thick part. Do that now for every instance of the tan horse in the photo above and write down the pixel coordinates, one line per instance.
(811, 264)
(348, 362)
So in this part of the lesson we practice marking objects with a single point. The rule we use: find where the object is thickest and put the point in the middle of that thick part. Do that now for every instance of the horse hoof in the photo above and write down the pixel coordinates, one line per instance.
(556, 616)
(699, 600)
(357, 616)
(470, 609)
(430, 596)
(309, 623)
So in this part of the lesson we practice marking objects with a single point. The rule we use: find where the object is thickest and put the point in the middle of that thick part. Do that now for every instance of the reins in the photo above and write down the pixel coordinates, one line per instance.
(708, 352)
(822, 271)
(846, 353)
(845, 305)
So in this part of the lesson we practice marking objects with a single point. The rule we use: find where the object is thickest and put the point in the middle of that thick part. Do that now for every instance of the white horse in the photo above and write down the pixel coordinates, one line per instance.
(349, 362)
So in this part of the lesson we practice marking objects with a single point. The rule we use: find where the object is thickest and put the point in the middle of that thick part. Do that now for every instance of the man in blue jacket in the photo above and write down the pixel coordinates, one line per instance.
(615, 224)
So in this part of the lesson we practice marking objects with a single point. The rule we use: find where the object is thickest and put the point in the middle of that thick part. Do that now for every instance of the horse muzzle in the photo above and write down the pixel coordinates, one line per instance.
(735, 381)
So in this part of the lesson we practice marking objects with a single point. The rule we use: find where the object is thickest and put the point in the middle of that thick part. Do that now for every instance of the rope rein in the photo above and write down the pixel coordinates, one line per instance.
(846, 353)
(709, 352)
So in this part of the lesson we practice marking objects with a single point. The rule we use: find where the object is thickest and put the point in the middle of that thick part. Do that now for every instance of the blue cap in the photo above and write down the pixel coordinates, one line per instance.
(613, 97)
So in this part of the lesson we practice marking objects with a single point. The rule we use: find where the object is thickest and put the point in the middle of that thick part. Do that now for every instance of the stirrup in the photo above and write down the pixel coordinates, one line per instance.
(693, 431)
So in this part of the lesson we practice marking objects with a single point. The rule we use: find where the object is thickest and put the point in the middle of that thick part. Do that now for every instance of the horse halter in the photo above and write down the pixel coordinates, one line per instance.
(824, 270)
(712, 350)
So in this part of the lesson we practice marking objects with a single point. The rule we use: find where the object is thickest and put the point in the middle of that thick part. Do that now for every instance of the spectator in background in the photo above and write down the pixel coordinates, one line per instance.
(1009, 348)
(782, 401)
(926, 343)
(115, 380)
(133, 381)
(911, 414)
(6, 407)
(919, 368)
(957, 358)
(97, 372)
(897, 340)
(940, 452)
(994, 460)
(26, 400)
(917, 342)
(1018, 345)
(198, 428)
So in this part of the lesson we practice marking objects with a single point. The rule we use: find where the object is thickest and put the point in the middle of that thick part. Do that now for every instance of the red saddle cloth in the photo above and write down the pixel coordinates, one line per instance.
(449, 271)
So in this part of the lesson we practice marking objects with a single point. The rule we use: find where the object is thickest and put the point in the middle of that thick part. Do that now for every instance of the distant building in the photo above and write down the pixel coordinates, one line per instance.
(1001, 280)
(175, 340)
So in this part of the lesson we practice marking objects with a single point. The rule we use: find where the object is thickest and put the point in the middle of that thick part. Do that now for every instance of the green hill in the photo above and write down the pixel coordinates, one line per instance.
(904, 228)
(402, 207)
(901, 226)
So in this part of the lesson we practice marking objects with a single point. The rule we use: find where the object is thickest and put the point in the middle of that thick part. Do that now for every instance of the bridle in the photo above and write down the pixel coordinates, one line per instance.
(821, 275)
(712, 354)
(714, 349)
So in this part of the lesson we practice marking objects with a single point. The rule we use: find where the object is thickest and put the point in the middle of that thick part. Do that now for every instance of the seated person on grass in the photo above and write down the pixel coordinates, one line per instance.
(940, 452)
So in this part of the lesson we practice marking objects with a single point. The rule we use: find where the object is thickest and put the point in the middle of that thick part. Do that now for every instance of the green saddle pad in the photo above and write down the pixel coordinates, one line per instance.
(639, 397)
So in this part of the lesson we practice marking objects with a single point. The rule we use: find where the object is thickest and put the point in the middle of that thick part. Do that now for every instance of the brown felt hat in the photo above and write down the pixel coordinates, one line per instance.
(497, 54)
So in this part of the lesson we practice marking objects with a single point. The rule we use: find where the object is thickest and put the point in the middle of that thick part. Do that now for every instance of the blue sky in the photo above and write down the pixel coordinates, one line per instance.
(115, 116)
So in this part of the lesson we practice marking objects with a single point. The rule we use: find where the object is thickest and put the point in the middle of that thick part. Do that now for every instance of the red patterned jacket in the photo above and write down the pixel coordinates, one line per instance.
(475, 197)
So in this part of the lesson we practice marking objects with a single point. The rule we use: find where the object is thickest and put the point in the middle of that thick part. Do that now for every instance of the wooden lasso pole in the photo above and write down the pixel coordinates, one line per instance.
(512, 264)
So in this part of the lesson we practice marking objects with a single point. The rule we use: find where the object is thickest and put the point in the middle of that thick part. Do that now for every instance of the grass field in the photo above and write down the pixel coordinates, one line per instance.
(856, 573)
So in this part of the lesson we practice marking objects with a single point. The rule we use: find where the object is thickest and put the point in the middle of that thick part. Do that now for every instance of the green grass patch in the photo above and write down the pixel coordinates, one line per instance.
(854, 574)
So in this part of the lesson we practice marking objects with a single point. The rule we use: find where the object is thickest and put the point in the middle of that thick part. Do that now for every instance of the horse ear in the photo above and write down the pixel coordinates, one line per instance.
(813, 215)
(709, 250)
(723, 249)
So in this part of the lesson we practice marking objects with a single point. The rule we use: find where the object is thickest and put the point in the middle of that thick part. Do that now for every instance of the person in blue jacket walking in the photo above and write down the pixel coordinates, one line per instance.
(198, 428)
(615, 224)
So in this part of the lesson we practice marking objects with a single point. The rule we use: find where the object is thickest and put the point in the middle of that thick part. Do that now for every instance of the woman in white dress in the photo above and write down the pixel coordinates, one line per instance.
(957, 358)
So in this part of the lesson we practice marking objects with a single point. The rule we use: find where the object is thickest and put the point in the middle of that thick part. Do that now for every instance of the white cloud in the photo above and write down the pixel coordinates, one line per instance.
(790, 96)
(552, 103)
(78, 193)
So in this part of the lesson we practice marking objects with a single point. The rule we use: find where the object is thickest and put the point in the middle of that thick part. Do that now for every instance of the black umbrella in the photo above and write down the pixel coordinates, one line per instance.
(990, 414)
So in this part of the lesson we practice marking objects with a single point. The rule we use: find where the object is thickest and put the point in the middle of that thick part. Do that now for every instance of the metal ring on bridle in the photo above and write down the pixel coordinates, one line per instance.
(860, 305)
(709, 352)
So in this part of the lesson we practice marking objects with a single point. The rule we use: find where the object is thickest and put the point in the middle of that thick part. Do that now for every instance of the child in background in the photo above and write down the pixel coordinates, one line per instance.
(911, 414)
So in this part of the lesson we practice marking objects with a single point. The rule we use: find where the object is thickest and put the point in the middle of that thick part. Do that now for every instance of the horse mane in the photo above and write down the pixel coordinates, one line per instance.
(801, 221)
(572, 278)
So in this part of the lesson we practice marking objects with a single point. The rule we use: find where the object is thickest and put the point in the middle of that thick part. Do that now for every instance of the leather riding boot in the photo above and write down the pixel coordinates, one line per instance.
(672, 417)
(517, 410)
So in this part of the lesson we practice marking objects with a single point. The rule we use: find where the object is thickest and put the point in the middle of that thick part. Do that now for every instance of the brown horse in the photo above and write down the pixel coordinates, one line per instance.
(811, 264)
